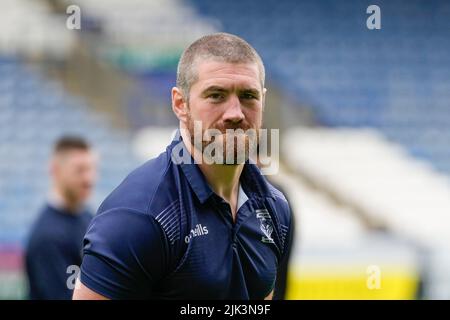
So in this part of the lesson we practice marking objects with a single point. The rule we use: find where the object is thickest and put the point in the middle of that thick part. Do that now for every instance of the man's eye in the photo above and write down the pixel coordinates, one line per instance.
(248, 96)
(216, 96)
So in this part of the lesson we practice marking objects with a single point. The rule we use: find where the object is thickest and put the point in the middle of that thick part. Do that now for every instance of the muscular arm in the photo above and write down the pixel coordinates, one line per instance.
(116, 261)
(82, 292)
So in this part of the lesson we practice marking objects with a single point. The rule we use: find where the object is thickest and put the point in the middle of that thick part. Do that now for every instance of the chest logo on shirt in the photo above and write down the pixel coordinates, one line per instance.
(198, 231)
(266, 225)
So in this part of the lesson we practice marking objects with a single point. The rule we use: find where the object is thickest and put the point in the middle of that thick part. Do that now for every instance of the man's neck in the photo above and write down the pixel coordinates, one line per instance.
(57, 200)
(223, 179)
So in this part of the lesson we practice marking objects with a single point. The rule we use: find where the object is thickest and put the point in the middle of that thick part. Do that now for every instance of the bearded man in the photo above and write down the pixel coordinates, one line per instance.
(209, 226)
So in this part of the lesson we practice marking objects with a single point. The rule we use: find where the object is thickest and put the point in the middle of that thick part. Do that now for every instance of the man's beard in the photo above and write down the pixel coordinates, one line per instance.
(72, 197)
(235, 147)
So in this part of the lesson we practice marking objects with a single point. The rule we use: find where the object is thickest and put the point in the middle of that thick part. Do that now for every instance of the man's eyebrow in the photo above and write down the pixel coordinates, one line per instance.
(214, 89)
(253, 91)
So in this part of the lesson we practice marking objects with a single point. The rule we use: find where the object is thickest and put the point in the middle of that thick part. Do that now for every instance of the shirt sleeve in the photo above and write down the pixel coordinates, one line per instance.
(125, 254)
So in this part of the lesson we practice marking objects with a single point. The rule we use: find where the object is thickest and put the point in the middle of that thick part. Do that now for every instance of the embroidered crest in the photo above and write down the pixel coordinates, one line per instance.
(266, 225)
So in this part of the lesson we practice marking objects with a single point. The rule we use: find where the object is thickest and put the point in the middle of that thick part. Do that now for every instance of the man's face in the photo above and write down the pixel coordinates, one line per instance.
(226, 96)
(74, 174)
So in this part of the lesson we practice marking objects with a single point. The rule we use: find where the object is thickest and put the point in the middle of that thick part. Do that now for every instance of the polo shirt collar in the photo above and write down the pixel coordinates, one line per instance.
(242, 197)
(255, 182)
(192, 172)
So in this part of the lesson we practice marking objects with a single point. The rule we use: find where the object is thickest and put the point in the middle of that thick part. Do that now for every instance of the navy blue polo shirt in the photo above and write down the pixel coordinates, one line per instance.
(55, 242)
(164, 234)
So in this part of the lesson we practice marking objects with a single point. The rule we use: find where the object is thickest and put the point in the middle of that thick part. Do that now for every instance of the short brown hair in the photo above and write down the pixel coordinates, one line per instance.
(220, 46)
(67, 143)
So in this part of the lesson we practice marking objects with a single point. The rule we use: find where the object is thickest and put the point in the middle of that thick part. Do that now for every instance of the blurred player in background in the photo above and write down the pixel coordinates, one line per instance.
(55, 240)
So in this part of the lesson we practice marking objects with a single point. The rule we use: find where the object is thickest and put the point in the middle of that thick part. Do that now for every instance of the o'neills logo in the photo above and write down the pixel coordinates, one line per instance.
(198, 231)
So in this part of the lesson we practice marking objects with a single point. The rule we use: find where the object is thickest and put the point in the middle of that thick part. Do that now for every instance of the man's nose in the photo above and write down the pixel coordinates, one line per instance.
(233, 112)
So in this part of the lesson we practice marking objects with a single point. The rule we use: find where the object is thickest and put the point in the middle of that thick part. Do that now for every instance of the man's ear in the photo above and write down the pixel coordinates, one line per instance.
(264, 98)
(53, 166)
(179, 105)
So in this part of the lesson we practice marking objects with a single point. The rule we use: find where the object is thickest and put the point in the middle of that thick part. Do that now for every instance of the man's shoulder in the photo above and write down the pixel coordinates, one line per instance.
(43, 222)
(277, 191)
(281, 203)
(282, 210)
(46, 230)
(148, 189)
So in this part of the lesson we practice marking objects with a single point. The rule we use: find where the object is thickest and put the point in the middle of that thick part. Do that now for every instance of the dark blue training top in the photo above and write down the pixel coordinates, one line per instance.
(55, 243)
(164, 234)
